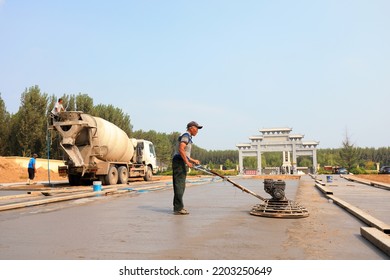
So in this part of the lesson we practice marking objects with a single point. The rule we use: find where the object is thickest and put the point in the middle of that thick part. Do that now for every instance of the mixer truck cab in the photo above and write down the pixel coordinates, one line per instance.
(146, 152)
(99, 150)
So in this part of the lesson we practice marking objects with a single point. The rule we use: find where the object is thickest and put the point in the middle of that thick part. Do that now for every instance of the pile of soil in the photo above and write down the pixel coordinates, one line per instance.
(11, 172)
(382, 178)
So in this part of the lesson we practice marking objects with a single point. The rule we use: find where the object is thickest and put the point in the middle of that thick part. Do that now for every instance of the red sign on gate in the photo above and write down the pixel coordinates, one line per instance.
(250, 172)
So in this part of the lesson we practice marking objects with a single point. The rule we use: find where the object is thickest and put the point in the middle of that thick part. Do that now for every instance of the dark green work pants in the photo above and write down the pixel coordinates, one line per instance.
(179, 182)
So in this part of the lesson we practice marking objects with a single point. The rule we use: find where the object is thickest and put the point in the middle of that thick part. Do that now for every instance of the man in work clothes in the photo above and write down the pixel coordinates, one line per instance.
(31, 169)
(58, 108)
(182, 158)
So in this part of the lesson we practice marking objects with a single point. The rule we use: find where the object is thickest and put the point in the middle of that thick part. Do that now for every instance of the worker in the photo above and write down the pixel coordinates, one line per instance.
(58, 108)
(31, 169)
(180, 161)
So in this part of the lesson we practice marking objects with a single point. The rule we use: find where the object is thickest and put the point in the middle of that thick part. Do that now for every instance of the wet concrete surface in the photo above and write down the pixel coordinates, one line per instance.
(141, 226)
(374, 201)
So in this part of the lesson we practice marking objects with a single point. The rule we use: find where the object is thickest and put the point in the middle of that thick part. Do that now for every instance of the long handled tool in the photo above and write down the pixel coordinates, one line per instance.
(277, 207)
(201, 168)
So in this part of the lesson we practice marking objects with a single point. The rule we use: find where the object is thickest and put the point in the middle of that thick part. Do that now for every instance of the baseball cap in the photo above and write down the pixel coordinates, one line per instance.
(193, 123)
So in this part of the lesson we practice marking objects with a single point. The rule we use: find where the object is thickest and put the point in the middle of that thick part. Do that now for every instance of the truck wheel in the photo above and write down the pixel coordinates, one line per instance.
(149, 174)
(112, 176)
(123, 175)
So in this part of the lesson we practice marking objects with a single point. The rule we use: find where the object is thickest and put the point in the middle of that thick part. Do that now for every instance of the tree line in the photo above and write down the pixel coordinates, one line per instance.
(26, 132)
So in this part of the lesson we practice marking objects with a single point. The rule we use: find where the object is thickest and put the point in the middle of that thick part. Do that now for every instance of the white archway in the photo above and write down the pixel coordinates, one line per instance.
(278, 140)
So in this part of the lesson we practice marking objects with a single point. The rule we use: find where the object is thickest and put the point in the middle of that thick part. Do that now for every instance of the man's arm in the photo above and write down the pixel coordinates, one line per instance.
(188, 160)
(183, 155)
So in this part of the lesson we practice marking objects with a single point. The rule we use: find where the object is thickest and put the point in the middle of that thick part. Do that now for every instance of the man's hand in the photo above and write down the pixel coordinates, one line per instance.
(191, 162)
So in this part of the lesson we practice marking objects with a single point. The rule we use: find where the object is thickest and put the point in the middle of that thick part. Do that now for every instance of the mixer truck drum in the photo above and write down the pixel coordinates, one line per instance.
(276, 207)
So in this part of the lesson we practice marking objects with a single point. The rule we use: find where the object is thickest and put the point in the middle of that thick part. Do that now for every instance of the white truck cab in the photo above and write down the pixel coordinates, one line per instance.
(149, 154)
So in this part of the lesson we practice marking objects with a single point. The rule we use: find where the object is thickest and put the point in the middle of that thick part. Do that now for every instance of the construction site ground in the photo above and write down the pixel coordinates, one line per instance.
(140, 225)
(135, 222)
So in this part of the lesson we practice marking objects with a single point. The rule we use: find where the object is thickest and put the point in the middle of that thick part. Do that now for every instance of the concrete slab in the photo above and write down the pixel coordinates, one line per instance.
(141, 226)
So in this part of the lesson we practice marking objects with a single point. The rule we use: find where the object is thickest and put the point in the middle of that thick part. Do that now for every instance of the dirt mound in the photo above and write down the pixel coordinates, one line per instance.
(382, 178)
(11, 171)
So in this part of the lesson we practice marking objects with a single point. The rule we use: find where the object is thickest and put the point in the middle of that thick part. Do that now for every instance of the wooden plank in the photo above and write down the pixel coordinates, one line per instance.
(54, 199)
(380, 185)
(19, 196)
(363, 216)
(320, 182)
(323, 189)
(377, 237)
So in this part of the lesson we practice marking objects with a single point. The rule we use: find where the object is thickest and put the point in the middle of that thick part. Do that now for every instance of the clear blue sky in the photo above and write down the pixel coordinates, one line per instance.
(319, 67)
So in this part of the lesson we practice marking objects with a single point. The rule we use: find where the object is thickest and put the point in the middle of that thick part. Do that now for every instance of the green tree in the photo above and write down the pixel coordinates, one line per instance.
(84, 103)
(69, 102)
(383, 156)
(349, 155)
(30, 123)
(229, 164)
(273, 159)
(4, 128)
(250, 162)
(369, 165)
(330, 157)
(305, 161)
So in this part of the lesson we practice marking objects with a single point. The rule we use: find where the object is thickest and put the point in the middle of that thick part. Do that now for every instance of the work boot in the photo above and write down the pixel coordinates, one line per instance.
(182, 212)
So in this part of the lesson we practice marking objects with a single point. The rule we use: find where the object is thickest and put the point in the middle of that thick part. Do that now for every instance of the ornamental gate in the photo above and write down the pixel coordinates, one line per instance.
(278, 140)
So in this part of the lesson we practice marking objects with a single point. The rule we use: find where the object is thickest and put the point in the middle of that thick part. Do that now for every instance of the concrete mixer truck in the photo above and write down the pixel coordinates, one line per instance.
(99, 150)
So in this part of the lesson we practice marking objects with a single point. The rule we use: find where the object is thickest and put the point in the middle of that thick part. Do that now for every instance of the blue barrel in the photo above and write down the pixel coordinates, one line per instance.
(97, 186)
(329, 179)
